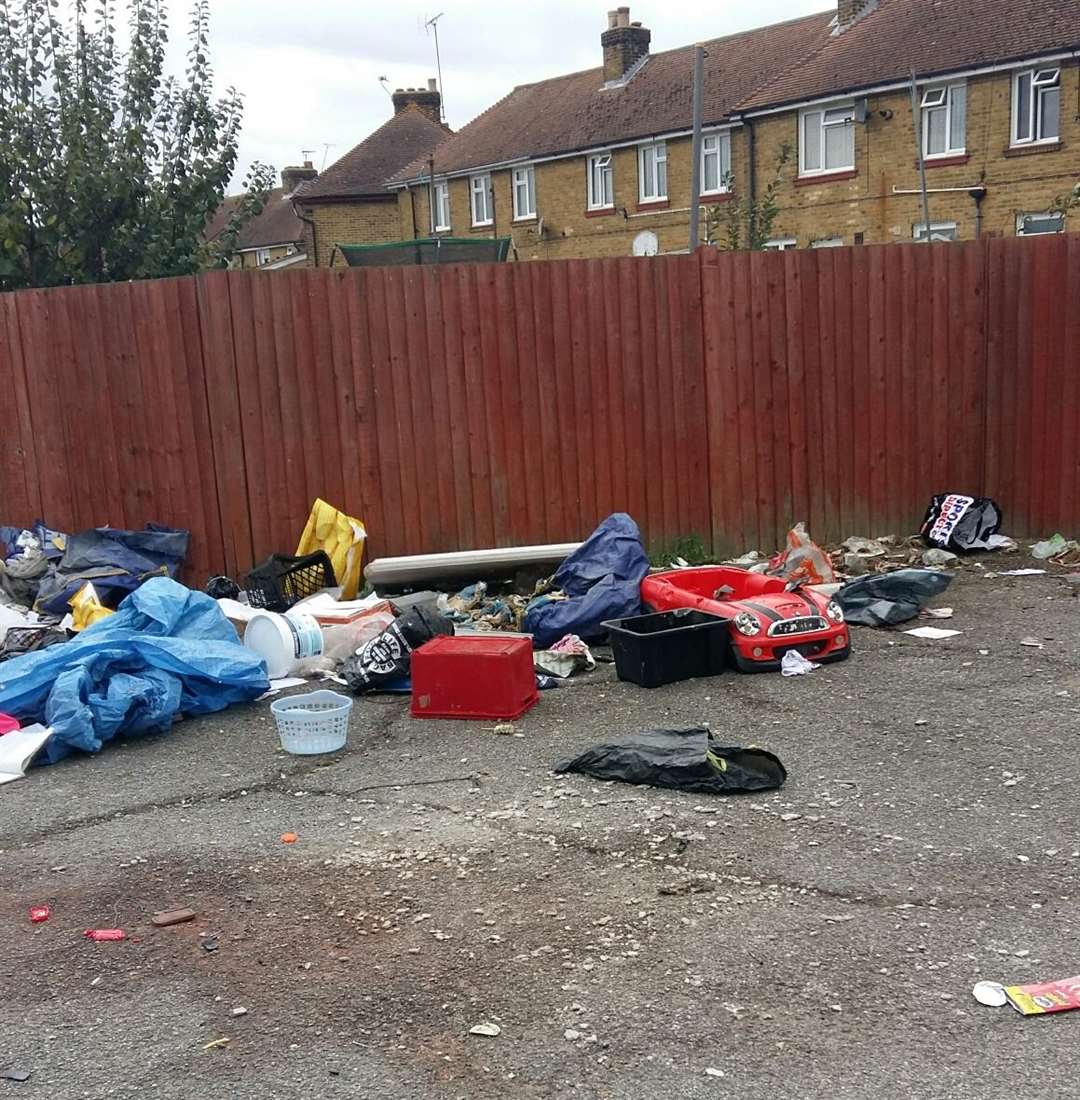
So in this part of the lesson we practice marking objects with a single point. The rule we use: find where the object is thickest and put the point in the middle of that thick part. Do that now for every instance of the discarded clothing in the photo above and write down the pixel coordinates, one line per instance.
(803, 561)
(957, 522)
(795, 664)
(684, 760)
(567, 656)
(886, 599)
(602, 579)
(166, 651)
(116, 561)
(387, 657)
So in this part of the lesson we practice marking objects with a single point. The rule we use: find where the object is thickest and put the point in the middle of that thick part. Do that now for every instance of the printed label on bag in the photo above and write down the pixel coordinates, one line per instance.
(953, 509)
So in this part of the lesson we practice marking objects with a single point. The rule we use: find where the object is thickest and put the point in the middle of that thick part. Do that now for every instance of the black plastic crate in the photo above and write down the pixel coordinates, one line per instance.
(282, 581)
(669, 646)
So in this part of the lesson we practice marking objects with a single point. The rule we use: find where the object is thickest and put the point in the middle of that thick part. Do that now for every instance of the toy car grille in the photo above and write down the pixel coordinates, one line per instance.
(806, 625)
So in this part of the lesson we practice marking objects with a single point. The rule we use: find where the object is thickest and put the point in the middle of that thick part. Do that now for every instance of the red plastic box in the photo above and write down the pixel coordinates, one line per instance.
(473, 677)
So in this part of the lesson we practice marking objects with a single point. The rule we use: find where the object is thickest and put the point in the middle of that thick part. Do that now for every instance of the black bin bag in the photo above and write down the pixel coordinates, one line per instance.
(388, 656)
(956, 522)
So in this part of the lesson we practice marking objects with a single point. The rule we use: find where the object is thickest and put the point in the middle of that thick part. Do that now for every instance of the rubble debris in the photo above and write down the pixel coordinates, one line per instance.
(486, 1029)
(680, 759)
(15, 1074)
(938, 559)
(166, 917)
(388, 574)
(105, 935)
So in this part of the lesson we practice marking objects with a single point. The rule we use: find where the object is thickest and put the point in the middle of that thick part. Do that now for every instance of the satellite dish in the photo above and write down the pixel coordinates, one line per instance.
(646, 244)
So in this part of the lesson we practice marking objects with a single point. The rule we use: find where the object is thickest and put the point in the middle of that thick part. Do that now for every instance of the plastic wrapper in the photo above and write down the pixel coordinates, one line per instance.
(680, 759)
(387, 657)
(957, 522)
(885, 599)
(342, 538)
(344, 640)
(803, 561)
(86, 608)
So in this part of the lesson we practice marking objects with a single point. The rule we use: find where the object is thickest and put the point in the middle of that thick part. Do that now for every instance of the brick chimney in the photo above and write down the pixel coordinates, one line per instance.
(292, 177)
(427, 100)
(624, 43)
(849, 12)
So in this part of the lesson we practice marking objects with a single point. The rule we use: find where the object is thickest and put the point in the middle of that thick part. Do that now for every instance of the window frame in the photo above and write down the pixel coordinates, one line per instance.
(828, 242)
(825, 109)
(659, 151)
(1035, 118)
(935, 227)
(484, 179)
(723, 144)
(1021, 218)
(948, 105)
(592, 166)
(781, 244)
(262, 256)
(528, 172)
(440, 190)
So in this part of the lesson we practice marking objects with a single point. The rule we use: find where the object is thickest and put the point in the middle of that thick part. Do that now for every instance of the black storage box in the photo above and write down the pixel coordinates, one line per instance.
(669, 646)
(282, 581)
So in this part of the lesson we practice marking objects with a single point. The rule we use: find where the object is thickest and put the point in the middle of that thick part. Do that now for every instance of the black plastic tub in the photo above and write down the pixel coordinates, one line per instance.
(652, 650)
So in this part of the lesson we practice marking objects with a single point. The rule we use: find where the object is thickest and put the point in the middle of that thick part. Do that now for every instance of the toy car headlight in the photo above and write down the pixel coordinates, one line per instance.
(745, 623)
(835, 612)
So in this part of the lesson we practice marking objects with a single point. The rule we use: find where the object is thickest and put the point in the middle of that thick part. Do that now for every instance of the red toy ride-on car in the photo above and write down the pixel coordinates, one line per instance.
(765, 619)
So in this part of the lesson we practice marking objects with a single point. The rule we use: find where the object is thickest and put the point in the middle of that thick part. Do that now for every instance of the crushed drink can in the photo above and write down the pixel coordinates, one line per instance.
(39, 913)
(99, 935)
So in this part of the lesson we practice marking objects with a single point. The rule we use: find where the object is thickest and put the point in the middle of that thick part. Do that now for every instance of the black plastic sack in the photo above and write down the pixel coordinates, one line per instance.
(885, 599)
(222, 588)
(388, 656)
(684, 760)
(957, 522)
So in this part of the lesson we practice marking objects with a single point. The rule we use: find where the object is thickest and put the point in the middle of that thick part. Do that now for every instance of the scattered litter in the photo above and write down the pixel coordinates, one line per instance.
(105, 935)
(87, 608)
(962, 523)
(214, 1044)
(388, 656)
(680, 759)
(342, 539)
(711, 1071)
(802, 561)
(287, 642)
(571, 1033)
(210, 944)
(490, 1030)
(504, 729)
(18, 748)
(934, 633)
(567, 656)
(686, 886)
(748, 560)
(289, 838)
(281, 685)
(239, 1011)
(1022, 573)
(938, 559)
(937, 613)
(1053, 547)
(39, 914)
(167, 917)
(991, 994)
(888, 599)
(15, 1074)
(1032, 643)
(795, 664)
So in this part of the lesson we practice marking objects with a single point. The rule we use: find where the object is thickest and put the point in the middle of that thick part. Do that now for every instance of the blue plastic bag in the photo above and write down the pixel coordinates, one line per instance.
(166, 651)
(603, 579)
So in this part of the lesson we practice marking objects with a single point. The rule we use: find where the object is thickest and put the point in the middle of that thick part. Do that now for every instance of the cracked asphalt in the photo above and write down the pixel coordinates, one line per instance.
(816, 942)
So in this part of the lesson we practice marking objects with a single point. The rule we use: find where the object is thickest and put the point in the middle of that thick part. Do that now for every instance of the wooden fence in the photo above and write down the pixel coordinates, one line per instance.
(723, 395)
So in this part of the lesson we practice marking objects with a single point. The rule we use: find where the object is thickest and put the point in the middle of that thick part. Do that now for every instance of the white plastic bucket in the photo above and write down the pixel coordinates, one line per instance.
(283, 641)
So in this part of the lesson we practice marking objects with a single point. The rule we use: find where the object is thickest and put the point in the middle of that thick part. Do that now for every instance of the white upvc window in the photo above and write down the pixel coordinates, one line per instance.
(524, 187)
(601, 182)
(715, 163)
(480, 199)
(1036, 106)
(781, 244)
(826, 140)
(828, 242)
(440, 206)
(944, 120)
(652, 172)
(1034, 225)
(939, 231)
(262, 256)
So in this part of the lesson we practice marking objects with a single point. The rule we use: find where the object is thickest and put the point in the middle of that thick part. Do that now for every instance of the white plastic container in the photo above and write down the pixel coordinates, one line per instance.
(312, 723)
(283, 641)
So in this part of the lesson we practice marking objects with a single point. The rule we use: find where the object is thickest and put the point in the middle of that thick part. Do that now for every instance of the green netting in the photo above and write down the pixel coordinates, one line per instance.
(428, 250)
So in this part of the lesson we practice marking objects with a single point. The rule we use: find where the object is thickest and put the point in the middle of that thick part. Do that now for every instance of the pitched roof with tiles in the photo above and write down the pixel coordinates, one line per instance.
(365, 170)
(277, 223)
(930, 36)
(568, 113)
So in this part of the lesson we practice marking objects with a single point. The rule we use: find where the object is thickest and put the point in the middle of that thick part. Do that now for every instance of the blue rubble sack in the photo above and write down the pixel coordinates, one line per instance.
(166, 651)
(603, 579)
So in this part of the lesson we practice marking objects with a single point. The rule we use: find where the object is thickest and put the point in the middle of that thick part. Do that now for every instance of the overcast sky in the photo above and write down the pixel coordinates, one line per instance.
(310, 71)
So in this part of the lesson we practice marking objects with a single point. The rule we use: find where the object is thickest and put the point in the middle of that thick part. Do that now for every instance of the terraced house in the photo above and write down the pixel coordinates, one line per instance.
(598, 163)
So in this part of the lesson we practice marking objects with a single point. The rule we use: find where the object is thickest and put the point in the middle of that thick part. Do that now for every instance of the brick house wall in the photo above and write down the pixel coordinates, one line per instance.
(886, 157)
(359, 221)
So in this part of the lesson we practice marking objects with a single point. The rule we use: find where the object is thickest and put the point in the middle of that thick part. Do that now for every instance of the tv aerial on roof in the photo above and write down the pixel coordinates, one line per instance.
(431, 25)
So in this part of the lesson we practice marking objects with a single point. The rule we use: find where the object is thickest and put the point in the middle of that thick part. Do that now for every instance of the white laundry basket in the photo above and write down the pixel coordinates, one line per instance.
(315, 722)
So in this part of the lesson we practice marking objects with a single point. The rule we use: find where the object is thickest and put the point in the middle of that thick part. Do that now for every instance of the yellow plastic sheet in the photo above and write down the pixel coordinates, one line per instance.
(342, 537)
(86, 608)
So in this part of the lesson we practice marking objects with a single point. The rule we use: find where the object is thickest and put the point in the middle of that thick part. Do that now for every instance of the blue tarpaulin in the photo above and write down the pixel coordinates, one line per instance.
(603, 579)
(166, 651)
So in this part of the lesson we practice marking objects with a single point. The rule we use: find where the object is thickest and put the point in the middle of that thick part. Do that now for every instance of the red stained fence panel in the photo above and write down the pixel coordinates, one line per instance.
(719, 395)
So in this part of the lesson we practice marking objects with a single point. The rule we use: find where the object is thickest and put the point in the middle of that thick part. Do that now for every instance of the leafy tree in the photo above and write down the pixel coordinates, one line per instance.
(109, 168)
(743, 223)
